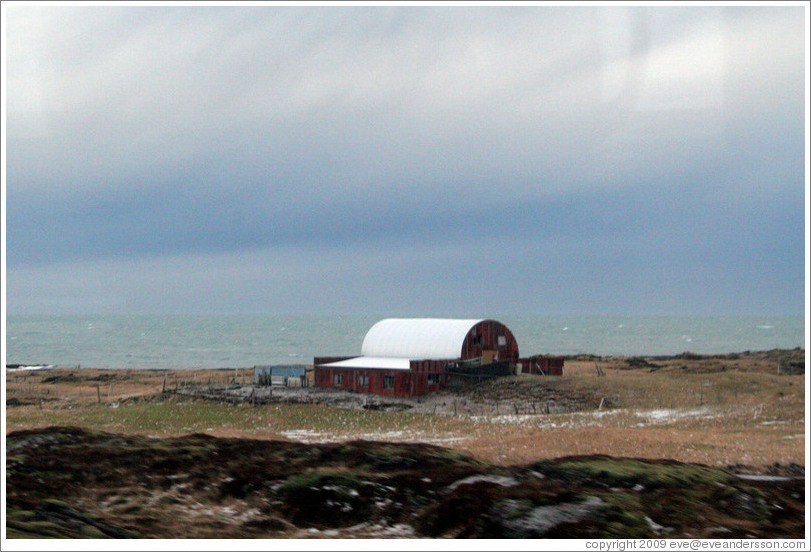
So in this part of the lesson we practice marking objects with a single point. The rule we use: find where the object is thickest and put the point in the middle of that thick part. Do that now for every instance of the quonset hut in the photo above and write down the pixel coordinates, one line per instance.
(411, 356)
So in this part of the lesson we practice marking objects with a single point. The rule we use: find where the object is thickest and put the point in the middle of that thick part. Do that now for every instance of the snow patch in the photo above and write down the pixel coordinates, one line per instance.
(503, 480)
(758, 477)
(667, 416)
(309, 436)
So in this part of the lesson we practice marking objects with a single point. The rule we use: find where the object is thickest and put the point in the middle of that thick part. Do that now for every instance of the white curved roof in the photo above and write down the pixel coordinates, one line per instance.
(417, 338)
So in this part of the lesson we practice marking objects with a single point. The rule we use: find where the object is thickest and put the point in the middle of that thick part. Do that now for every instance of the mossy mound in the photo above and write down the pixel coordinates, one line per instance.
(71, 483)
(630, 472)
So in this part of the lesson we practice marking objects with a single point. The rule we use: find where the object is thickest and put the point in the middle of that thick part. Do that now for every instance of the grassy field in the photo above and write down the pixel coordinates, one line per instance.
(735, 409)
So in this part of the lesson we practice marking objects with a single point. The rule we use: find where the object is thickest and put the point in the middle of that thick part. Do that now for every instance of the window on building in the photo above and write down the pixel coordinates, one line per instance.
(338, 379)
(363, 380)
(433, 379)
(388, 382)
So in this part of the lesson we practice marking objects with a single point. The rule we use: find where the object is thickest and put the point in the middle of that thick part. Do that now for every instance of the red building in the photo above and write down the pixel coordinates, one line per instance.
(540, 365)
(411, 356)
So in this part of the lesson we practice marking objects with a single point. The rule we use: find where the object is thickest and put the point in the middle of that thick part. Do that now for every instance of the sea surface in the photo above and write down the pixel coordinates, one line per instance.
(217, 341)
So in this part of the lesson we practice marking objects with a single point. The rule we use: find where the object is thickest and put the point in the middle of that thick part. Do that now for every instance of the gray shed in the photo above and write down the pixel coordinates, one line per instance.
(283, 375)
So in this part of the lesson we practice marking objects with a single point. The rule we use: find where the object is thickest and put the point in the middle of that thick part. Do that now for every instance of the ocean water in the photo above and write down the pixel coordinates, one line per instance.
(200, 342)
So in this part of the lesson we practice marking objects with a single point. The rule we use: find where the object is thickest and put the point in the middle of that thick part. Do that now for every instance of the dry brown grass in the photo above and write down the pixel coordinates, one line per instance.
(716, 411)
(70, 387)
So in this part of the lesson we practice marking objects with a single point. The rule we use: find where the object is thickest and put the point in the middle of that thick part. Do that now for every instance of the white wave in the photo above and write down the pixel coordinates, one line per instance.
(32, 367)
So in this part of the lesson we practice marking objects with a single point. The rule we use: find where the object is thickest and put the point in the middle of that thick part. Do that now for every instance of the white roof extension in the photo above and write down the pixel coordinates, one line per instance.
(392, 343)
(373, 362)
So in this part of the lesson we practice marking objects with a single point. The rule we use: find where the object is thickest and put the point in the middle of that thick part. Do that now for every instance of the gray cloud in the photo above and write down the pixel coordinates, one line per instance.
(188, 139)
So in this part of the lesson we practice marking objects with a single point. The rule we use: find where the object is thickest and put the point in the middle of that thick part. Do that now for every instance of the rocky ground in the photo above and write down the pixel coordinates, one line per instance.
(70, 482)
(457, 400)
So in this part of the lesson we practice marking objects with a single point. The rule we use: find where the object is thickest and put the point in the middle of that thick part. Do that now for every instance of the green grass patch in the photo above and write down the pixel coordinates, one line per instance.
(339, 481)
(625, 515)
(37, 530)
(625, 472)
(170, 417)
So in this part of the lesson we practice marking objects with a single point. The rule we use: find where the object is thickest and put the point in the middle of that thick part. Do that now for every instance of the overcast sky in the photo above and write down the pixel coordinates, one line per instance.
(461, 160)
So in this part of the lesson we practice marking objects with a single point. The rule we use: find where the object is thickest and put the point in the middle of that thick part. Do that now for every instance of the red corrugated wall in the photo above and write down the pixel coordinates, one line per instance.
(402, 383)
(484, 337)
(541, 365)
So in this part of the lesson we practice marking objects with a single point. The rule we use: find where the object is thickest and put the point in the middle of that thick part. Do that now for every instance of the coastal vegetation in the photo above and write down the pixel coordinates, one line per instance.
(730, 409)
(73, 483)
(686, 446)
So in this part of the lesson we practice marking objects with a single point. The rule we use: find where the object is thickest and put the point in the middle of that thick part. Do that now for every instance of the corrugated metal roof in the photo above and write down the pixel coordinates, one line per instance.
(288, 371)
(281, 370)
(383, 363)
(417, 338)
